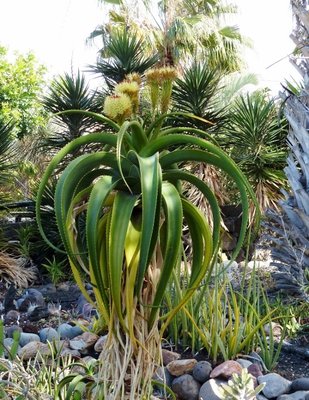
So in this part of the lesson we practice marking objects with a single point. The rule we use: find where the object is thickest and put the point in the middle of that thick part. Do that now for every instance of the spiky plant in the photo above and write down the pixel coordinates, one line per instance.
(127, 198)
(123, 55)
(256, 137)
(69, 92)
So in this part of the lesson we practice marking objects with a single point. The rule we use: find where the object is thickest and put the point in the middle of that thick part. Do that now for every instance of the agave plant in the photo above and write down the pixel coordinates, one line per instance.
(128, 199)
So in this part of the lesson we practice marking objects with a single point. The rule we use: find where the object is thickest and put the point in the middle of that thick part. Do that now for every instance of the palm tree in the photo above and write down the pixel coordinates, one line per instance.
(180, 30)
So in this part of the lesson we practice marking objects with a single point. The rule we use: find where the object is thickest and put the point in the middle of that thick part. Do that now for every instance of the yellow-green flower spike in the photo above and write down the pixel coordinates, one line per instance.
(118, 107)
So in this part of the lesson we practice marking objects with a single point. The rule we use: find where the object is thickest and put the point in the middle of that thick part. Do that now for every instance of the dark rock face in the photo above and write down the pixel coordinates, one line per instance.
(186, 387)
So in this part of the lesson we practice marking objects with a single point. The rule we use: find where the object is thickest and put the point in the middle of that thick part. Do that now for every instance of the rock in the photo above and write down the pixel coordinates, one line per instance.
(255, 370)
(201, 371)
(48, 334)
(75, 331)
(163, 376)
(86, 362)
(275, 386)
(261, 397)
(181, 367)
(228, 242)
(256, 359)
(11, 329)
(37, 295)
(186, 387)
(273, 329)
(226, 369)
(39, 313)
(26, 338)
(11, 317)
(31, 299)
(65, 331)
(7, 343)
(30, 350)
(30, 328)
(48, 289)
(300, 384)
(300, 395)
(169, 356)
(209, 390)
(98, 347)
(243, 363)
(66, 351)
(77, 344)
(84, 341)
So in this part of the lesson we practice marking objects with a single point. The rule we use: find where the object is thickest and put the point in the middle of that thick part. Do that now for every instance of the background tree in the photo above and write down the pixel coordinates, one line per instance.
(21, 83)
(180, 30)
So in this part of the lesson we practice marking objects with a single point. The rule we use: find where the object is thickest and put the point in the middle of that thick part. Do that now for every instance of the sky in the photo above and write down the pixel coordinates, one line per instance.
(56, 32)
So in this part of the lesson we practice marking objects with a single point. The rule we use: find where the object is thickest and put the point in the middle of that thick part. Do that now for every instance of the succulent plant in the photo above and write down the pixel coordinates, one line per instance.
(240, 387)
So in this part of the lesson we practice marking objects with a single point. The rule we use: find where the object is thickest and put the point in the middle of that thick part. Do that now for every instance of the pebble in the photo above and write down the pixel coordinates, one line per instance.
(11, 329)
(181, 367)
(84, 341)
(201, 371)
(30, 350)
(98, 347)
(26, 338)
(48, 334)
(8, 342)
(275, 386)
(300, 384)
(244, 363)
(226, 369)
(300, 395)
(255, 370)
(162, 376)
(11, 317)
(65, 331)
(186, 387)
(209, 389)
(169, 356)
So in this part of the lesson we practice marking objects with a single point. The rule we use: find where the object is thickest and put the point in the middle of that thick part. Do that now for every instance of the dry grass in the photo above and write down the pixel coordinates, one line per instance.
(13, 270)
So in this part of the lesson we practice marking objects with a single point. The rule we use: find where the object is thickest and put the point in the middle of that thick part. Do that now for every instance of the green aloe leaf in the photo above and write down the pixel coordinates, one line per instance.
(173, 216)
(121, 214)
(150, 171)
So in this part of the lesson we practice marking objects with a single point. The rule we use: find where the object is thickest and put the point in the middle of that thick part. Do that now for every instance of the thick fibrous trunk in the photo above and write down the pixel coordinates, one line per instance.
(291, 247)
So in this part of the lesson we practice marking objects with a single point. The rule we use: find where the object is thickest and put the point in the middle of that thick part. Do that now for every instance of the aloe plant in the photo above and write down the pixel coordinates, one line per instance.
(127, 199)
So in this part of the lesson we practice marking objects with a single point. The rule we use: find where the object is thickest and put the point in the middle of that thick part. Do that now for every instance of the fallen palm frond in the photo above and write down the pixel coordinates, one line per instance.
(13, 269)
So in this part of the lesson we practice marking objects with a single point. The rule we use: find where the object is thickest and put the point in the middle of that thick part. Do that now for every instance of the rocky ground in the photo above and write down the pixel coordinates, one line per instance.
(64, 304)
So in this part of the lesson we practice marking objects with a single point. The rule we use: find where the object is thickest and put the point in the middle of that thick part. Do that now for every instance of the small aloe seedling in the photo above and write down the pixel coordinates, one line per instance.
(240, 387)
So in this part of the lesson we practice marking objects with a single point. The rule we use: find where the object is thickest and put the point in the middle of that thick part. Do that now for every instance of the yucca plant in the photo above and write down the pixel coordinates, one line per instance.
(123, 54)
(65, 93)
(128, 200)
(256, 137)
